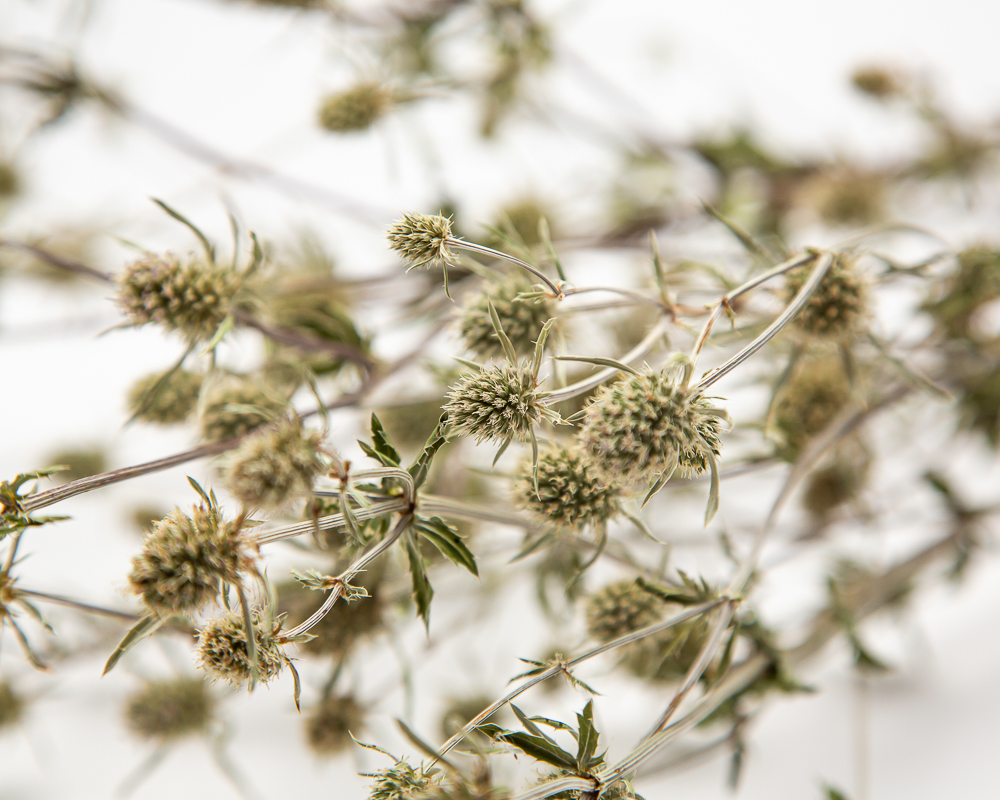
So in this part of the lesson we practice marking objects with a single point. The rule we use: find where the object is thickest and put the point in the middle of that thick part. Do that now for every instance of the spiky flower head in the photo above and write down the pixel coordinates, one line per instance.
(642, 424)
(170, 709)
(840, 304)
(236, 405)
(403, 782)
(275, 465)
(569, 496)
(222, 648)
(165, 400)
(522, 319)
(190, 296)
(422, 239)
(816, 393)
(186, 557)
(11, 706)
(621, 608)
(355, 109)
(498, 403)
(331, 723)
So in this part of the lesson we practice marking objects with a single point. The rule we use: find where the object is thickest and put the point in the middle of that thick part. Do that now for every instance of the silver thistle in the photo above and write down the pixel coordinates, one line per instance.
(223, 651)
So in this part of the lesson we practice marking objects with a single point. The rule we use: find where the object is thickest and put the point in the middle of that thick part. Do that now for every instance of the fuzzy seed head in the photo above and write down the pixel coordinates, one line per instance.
(839, 306)
(191, 297)
(522, 320)
(171, 709)
(421, 239)
(634, 429)
(173, 401)
(496, 404)
(403, 782)
(621, 608)
(569, 496)
(275, 466)
(878, 82)
(222, 649)
(329, 727)
(11, 706)
(185, 558)
(235, 406)
(355, 109)
(817, 392)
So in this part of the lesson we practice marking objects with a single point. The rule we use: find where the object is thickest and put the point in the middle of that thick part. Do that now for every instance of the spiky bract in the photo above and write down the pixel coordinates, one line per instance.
(838, 307)
(569, 496)
(496, 404)
(236, 405)
(275, 465)
(191, 297)
(422, 239)
(403, 782)
(355, 109)
(170, 709)
(621, 608)
(331, 723)
(522, 320)
(186, 557)
(638, 426)
(222, 648)
(173, 400)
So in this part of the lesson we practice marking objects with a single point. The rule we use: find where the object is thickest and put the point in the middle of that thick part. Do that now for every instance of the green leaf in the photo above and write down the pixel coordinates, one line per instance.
(438, 438)
(201, 492)
(224, 327)
(209, 249)
(446, 539)
(600, 362)
(834, 794)
(466, 363)
(422, 591)
(144, 627)
(500, 452)
(538, 748)
(380, 440)
(586, 738)
(543, 335)
(297, 684)
(713, 492)
(508, 348)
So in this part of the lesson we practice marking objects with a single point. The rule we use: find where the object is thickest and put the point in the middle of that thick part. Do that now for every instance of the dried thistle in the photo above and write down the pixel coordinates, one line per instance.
(274, 466)
(522, 318)
(839, 306)
(236, 405)
(355, 109)
(331, 724)
(222, 648)
(816, 393)
(186, 558)
(403, 782)
(422, 239)
(568, 497)
(192, 297)
(165, 399)
(170, 709)
(621, 608)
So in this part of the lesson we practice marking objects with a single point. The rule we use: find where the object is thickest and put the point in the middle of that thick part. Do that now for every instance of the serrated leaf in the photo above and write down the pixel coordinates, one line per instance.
(143, 628)
(446, 539)
(382, 445)
(422, 591)
(587, 737)
(539, 749)
(419, 468)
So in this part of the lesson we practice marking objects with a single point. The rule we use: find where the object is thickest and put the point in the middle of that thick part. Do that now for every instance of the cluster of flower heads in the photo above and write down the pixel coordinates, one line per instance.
(190, 296)
(186, 558)
(644, 425)
(839, 306)
(569, 496)
(275, 465)
(223, 651)
(522, 318)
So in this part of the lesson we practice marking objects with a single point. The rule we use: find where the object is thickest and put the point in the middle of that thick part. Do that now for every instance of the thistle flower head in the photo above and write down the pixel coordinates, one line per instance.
(236, 405)
(355, 109)
(422, 239)
(275, 465)
(186, 557)
(331, 723)
(165, 400)
(640, 425)
(621, 608)
(522, 319)
(569, 496)
(222, 648)
(816, 393)
(11, 706)
(170, 709)
(840, 304)
(403, 782)
(191, 297)
(497, 404)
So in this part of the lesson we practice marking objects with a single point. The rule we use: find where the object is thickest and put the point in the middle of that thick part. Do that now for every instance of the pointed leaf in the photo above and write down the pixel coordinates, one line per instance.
(600, 362)
(446, 539)
(422, 591)
(508, 348)
(380, 440)
(209, 250)
(143, 628)
(419, 469)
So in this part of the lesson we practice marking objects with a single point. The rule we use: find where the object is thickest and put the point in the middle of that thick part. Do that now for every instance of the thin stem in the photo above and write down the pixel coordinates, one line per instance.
(332, 521)
(636, 296)
(455, 508)
(59, 600)
(489, 251)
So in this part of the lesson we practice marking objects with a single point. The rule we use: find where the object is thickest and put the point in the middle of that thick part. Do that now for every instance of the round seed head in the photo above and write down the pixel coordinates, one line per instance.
(839, 306)
(421, 239)
(838, 482)
(569, 496)
(185, 558)
(275, 466)
(403, 782)
(635, 428)
(355, 109)
(192, 297)
(496, 404)
(11, 706)
(235, 406)
(879, 82)
(817, 392)
(222, 649)
(522, 320)
(850, 197)
(170, 709)
(621, 608)
(171, 403)
(331, 723)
